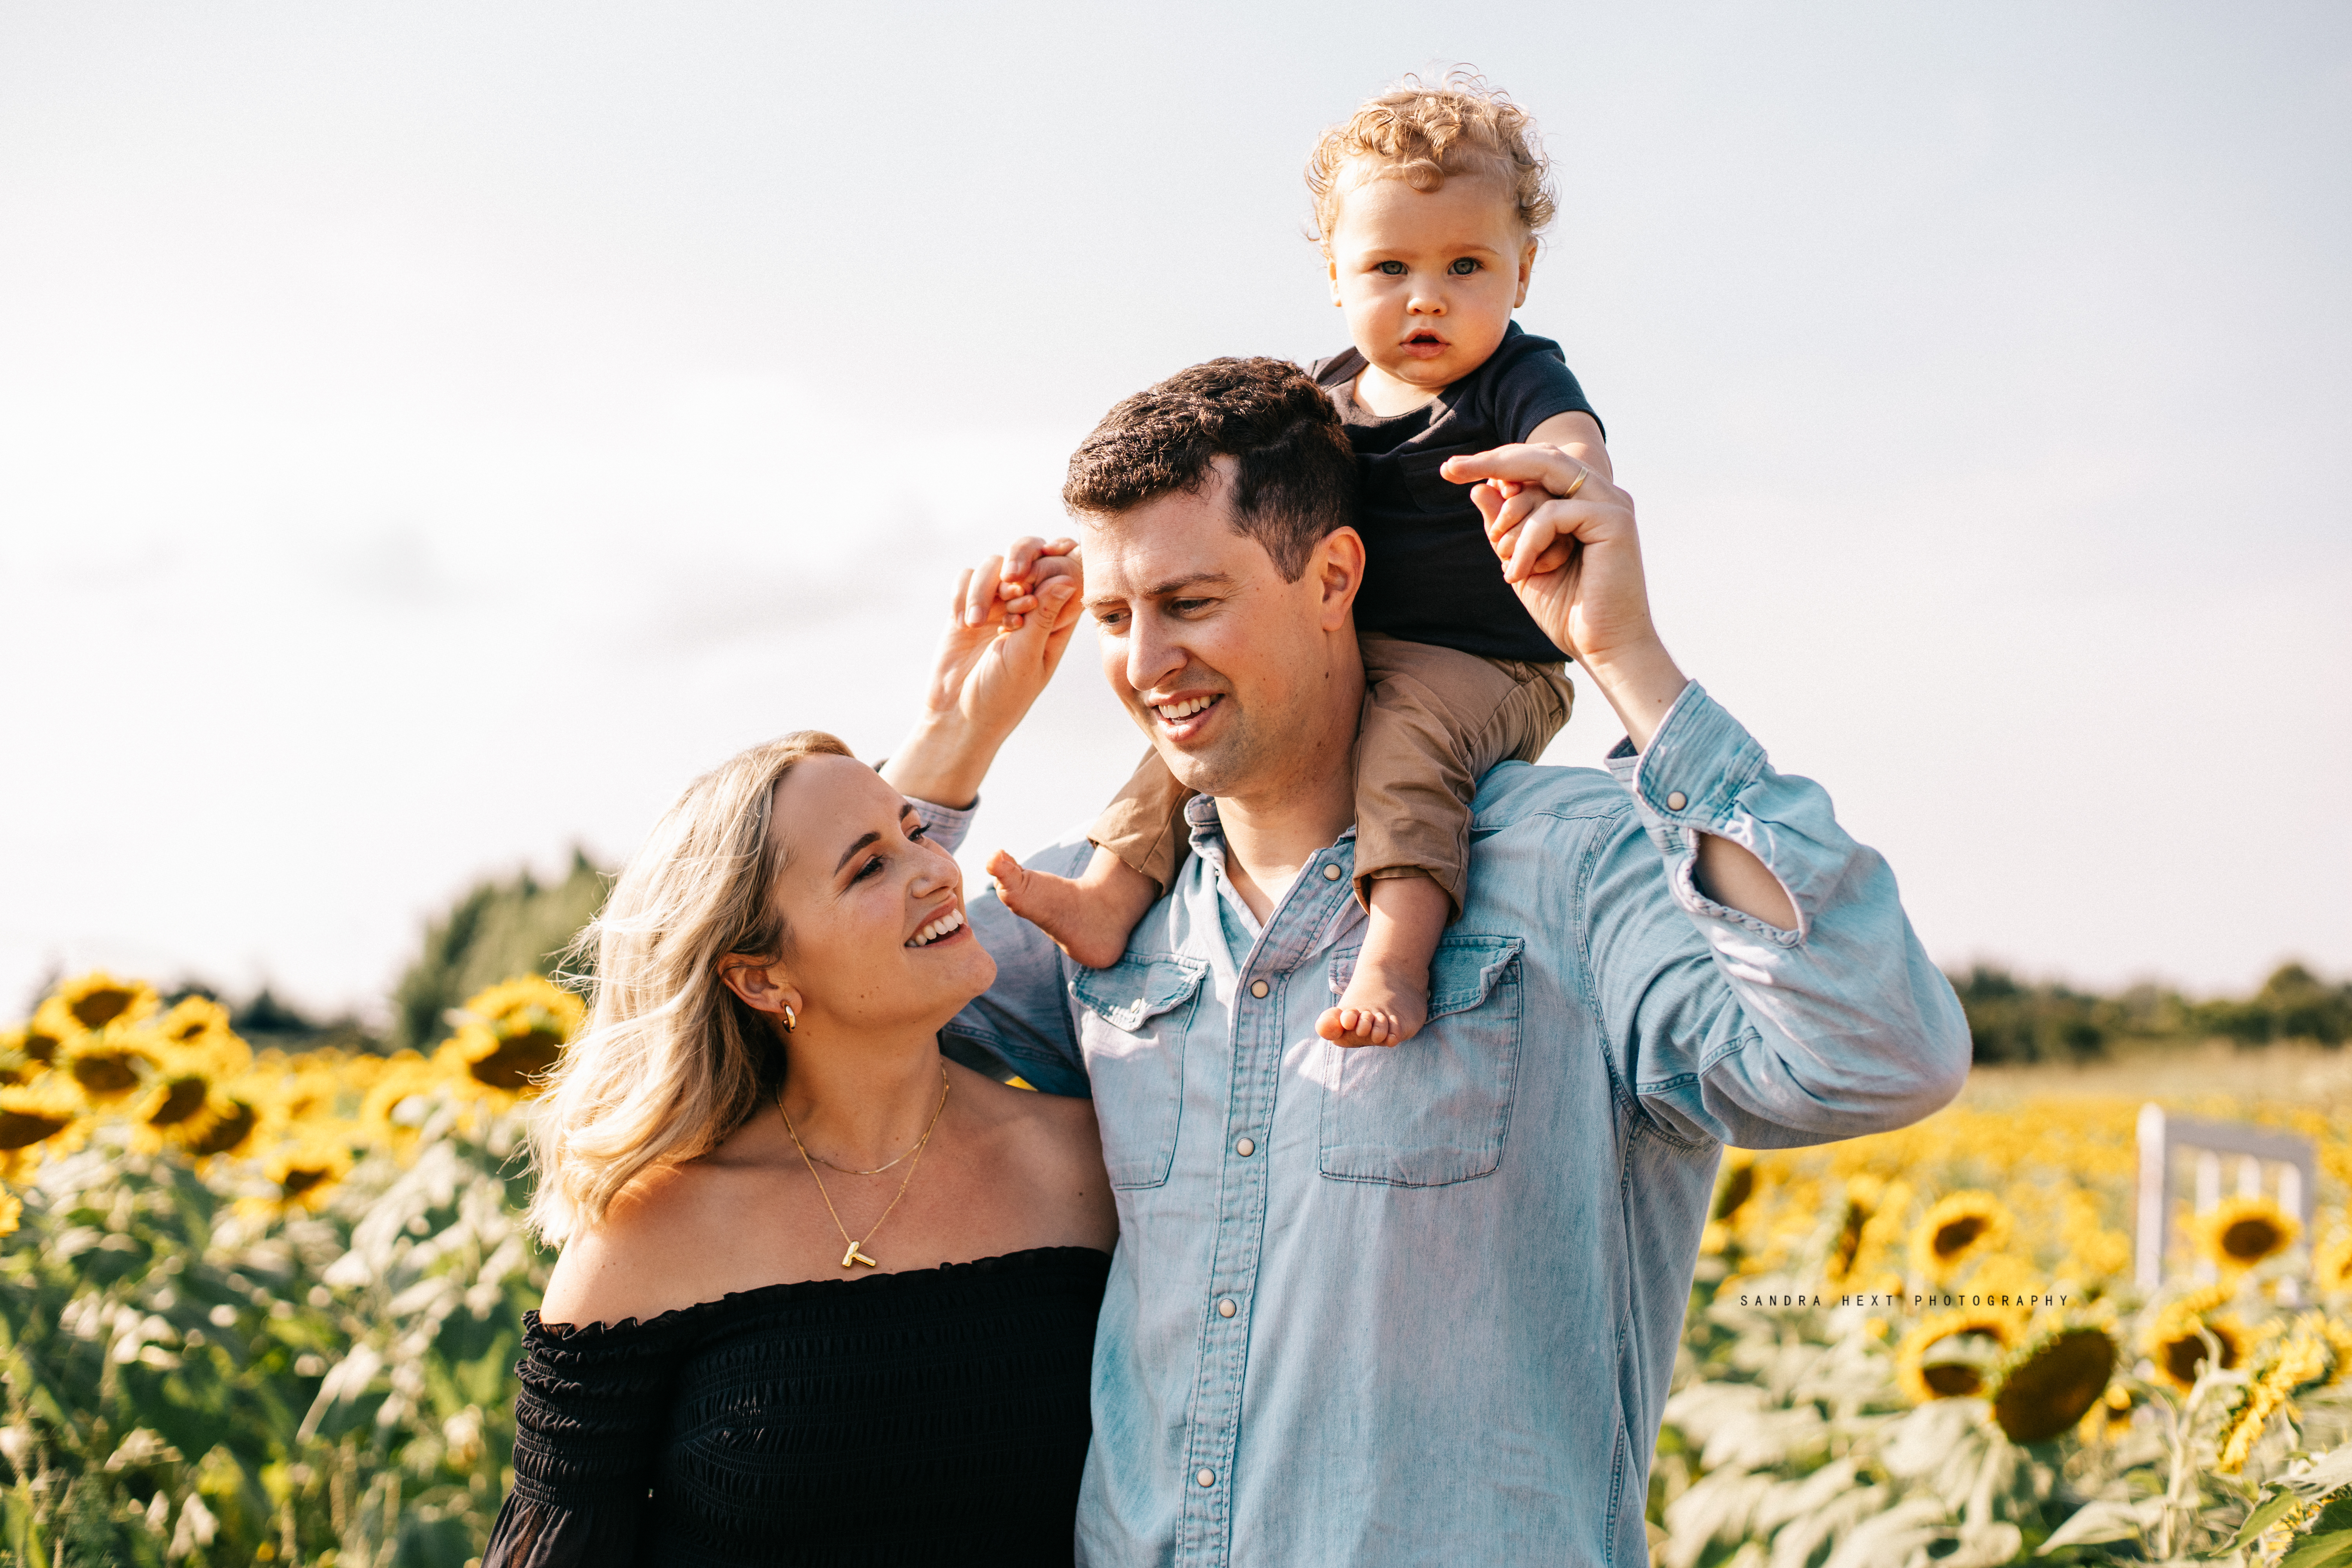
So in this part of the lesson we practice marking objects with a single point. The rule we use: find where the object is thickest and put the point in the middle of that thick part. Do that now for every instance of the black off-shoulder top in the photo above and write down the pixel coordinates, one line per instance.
(934, 1416)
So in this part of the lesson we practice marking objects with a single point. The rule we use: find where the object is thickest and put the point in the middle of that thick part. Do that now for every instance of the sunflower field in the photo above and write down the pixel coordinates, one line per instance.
(263, 1308)
(259, 1308)
(1924, 1348)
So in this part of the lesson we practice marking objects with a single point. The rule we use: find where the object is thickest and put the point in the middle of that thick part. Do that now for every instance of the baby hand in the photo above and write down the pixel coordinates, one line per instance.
(1012, 587)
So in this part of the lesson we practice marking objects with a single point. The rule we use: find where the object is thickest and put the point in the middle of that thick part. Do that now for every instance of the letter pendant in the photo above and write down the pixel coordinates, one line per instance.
(853, 1257)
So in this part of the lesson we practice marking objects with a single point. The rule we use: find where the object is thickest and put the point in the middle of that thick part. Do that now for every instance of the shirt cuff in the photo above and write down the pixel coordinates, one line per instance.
(1694, 771)
(946, 824)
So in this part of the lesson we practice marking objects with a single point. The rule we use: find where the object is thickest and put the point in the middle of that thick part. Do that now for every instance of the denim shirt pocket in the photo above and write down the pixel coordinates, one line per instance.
(1433, 1110)
(1135, 1016)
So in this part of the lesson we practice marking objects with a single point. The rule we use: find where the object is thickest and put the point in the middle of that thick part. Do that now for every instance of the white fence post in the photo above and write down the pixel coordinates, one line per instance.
(2256, 1147)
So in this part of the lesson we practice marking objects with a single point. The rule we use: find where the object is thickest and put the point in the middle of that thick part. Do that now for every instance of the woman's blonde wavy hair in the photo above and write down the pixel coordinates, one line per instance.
(671, 1060)
(1421, 132)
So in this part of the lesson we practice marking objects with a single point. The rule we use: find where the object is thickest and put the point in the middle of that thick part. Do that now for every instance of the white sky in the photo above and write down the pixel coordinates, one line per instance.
(431, 433)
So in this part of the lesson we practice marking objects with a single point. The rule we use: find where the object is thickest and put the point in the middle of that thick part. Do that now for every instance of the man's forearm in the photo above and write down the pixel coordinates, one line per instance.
(1642, 686)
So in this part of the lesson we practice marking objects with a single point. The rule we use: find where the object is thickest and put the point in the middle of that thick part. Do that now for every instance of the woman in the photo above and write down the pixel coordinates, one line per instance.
(824, 1296)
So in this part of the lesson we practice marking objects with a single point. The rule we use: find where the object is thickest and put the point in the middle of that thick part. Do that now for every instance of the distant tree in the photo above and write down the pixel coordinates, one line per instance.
(2293, 1005)
(497, 930)
(2009, 1022)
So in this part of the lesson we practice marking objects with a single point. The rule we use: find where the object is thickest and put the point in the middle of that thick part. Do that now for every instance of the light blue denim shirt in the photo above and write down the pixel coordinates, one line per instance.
(1374, 1308)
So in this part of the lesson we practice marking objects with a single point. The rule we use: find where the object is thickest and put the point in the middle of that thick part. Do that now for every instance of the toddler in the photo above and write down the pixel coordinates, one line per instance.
(1429, 201)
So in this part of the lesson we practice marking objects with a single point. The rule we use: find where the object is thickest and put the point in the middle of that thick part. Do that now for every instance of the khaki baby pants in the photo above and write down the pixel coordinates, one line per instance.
(1435, 719)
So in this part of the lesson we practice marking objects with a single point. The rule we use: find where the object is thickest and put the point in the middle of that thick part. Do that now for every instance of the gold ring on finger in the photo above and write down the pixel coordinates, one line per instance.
(1576, 484)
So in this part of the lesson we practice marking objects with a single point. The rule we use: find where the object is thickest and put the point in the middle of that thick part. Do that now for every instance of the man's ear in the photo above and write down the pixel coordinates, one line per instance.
(1338, 566)
(763, 985)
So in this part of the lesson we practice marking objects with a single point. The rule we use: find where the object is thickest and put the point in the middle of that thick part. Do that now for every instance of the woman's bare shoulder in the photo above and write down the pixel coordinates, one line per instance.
(1062, 1123)
(650, 1252)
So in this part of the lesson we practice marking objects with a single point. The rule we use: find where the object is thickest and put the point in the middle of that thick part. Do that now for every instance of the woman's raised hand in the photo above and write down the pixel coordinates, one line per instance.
(1008, 626)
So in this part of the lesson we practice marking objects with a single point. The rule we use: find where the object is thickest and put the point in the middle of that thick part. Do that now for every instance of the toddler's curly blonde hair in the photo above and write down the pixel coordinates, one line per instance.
(1421, 132)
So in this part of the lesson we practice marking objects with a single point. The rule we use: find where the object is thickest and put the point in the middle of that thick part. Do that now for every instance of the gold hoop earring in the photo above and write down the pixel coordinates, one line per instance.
(791, 1019)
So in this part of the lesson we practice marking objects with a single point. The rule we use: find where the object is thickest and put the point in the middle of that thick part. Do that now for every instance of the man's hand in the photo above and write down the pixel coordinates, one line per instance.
(1008, 625)
(1576, 562)
(1583, 584)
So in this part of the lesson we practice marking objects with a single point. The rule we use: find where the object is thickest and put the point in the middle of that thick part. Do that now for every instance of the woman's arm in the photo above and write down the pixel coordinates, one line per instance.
(1008, 627)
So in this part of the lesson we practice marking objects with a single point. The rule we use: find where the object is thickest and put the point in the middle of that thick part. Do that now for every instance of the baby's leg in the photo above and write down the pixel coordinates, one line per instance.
(1139, 840)
(1434, 721)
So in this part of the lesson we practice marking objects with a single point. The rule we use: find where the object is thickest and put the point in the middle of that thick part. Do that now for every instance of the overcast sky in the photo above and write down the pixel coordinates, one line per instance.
(429, 433)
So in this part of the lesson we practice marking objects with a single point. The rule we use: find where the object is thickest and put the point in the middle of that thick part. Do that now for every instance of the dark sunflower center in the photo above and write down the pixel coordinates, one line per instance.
(301, 1180)
(226, 1133)
(2251, 1238)
(1953, 1237)
(1849, 1241)
(2055, 1387)
(181, 1100)
(41, 1048)
(105, 1074)
(21, 1129)
(2184, 1355)
(1736, 1189)
(101, 1007)
(519, 1058)
(1953, 1379)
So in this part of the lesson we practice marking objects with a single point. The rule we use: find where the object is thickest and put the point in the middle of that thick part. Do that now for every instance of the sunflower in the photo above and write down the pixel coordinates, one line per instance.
(2242, 1232)
(36, 1044)
(2052, 1383)
(2331, 1263)
(306, 1167)
(392, 1112)
(17, 1064)
(96, 1001)
(1736, 1186)
(1947, 1354)
(196, 1028)
(226, 1125)
(2304, 1360)
(512, 1034)
(2109, 1418)
(12, 1213)
(1961, 1226)
(114, 1064)
(44, 1114)
(2178, 1348)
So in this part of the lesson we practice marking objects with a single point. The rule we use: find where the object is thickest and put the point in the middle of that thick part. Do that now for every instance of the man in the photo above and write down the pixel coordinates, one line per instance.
(1420, 1305)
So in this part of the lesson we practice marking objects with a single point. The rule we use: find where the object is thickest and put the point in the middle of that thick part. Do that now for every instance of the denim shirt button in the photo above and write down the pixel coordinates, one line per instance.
(1245, 1148)
(1257, 987)
(1206, 1477)
(1330, 873)
(1676, 800)
(1225, 1308)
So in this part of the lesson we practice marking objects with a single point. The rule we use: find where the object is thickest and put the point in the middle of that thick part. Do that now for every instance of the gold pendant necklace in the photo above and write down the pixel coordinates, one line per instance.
(857, 1251)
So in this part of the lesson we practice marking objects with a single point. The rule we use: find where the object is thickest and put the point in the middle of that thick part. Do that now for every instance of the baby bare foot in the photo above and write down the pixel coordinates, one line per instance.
(1090, 917)
(1380, 1007)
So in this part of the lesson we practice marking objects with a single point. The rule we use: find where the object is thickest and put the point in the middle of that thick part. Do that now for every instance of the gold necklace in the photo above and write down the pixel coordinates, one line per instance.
(857, 1254)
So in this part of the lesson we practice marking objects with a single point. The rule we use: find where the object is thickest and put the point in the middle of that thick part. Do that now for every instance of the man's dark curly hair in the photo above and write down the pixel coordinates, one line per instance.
(1294, 474)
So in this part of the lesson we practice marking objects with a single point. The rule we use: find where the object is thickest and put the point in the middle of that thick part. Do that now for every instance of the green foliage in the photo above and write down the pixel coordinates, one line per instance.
(497, 930)
(194, 1375)
(2011, 1022)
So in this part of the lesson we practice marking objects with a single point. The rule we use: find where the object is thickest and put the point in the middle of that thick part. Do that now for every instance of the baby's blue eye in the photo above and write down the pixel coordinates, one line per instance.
(1464, 266)
(1394, 268)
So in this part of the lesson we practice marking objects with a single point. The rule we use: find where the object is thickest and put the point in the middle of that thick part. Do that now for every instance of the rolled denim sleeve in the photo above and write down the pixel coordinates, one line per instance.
(1023, 1019)
(1730, 1027)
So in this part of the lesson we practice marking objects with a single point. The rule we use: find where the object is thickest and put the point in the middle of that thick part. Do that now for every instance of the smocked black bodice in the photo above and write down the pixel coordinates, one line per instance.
(934, 1416)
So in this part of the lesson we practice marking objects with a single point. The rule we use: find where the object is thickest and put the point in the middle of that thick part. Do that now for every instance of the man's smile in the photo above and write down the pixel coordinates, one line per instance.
(1180, 718)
